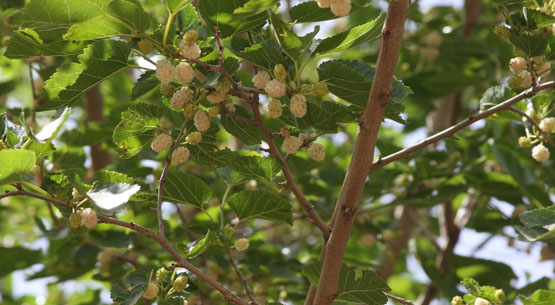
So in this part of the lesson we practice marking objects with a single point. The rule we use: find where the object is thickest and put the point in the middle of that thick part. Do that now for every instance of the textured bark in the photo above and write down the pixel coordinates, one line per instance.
(363, 153)
(94, 107)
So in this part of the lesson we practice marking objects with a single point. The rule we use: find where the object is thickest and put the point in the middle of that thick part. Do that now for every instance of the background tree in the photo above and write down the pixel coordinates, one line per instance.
(206, 152)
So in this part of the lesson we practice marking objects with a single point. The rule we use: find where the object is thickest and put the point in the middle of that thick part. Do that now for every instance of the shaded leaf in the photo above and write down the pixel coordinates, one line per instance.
(146, 82)
(14, 164)
(261, 204)
(258, 167)
(17, 258)
(184, 188)
(249, 134)
(196, 248)
(137, 128)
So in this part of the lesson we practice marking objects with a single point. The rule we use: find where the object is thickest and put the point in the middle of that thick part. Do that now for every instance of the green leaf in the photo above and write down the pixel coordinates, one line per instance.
(359, 287)
(136, 129)
(184, 188)
(14, 164)
(118, 18)
(530, 45)
(196, 248)
(261, 204)
(352, 81)
(494, 96)
(265, 54)
(316, 117)
(99, 61)
(50, 131)
(474, 288)
(27, 43)
(254, 7)
(309, 11)
(146, 82)
(114, 177)
(538, 224)
(540, 297)
(249, 134)
(175, 6)
(220, 13)
(351, 38)
(131, 290)
(111, 197)
(258, 167)
(17, 258)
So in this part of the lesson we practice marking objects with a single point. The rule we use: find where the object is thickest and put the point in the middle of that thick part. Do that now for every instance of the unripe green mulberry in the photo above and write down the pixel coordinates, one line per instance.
(194, 138)
(214, 111)
(167, 90)
(502, 31)
(180, 283)
(500, 295)
(190, 37)
(274, 109)
(161, 274)
(280, 73)
(524, 142)
(189, 110)
(222, 86)
(319, 89)
(75, 220)
(457, 300)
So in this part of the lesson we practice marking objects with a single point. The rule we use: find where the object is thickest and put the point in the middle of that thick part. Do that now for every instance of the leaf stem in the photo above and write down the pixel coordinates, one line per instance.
(167, 30)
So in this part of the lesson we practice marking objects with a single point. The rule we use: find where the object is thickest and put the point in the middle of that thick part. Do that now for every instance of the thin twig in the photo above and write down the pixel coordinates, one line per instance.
(162, 181)
(398, 299)
(449, 132)
(240, 275)
(544, 134)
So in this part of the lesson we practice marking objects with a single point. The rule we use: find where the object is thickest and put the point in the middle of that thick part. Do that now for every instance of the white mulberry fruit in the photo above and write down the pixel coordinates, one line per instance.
(180, 155)
(291, 145)
(202, 121)
(190, 52)
(340, 8)
(548, 125)
(517, 65)
(298, 105)
(480, 301)
(323, 3)
(88, 218)
(179, 99)
(180, 283)
(242, 244)
(540, 153)
(316, 152)
(164, 71)
(274, 109)
(215, 98)
(544, 70)
(526, 78)
(261, 79)
(275, 88)
(161, 142)
(152, 291)
(184, 73)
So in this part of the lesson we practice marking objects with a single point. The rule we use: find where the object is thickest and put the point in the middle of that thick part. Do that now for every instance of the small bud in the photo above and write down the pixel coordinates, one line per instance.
(524, 142)
(251, 185)
(242, 244)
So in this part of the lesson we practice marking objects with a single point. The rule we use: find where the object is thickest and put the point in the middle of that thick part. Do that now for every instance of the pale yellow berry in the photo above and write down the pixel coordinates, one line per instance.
(251, 185)
(152, 291)
(540, 153)
(145, 46)
(433, 39)
(215, 97)
(180, 155)
(274, 109)
(180, 283)
(280, 73)
(480, 301)
(261, 79)
(222, 86)
(368, 240)
(200, 77)
(291, 145)
(88, 218)
(500, 295)
(548, 125)
(457, 300)
(517, 65)
(190, 52)
(388, 234)
(275, 88)
(164, 71)
(524, 142)
(184, 73)
(180, 98)
(316, 152)
(323, 3)
(298, 105)
(161, 142)
(242, 244)
(202, 121)
(340, 8)
(319, 89)
(194, 138)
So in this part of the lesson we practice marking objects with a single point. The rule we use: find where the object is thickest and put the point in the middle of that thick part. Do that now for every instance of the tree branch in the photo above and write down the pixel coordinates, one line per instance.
(162, 181)
(449, 132)
(240, 275)
(363, 152)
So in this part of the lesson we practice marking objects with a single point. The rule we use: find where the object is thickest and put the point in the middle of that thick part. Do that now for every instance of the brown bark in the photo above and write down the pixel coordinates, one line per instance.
(94, 107)
(363, 153)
